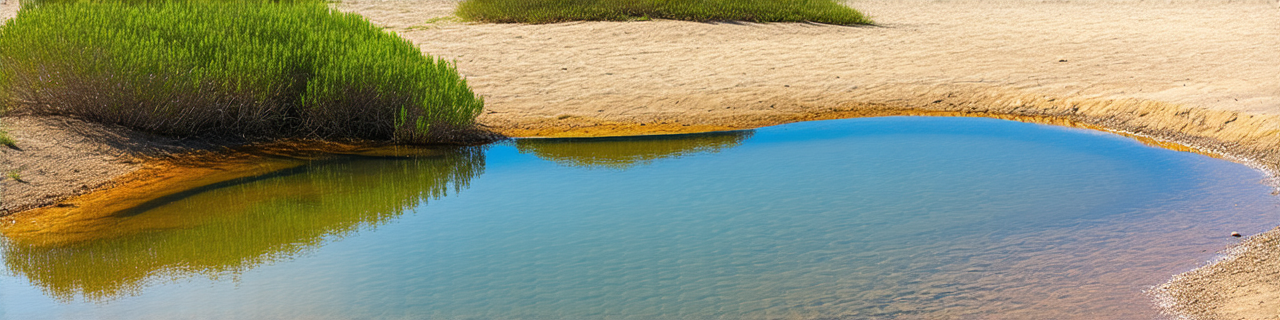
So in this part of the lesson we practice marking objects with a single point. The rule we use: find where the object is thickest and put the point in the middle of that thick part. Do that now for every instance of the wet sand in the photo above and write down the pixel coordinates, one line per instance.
(1203, 74)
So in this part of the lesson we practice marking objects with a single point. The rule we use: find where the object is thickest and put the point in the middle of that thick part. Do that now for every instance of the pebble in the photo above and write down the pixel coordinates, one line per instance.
(1235, 234)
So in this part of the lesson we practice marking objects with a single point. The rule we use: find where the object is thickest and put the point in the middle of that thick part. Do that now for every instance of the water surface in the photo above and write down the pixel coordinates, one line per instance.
(898, 217)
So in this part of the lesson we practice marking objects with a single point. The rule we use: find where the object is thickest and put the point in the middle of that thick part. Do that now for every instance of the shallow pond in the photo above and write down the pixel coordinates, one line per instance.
(897, 217)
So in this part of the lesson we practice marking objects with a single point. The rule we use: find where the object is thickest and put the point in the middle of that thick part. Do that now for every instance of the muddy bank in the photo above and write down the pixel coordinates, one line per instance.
(58, 157)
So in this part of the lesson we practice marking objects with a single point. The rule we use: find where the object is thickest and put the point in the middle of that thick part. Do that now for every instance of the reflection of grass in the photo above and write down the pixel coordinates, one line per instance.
(625, 152)
(546, 11)
(232, 229)
(5, 138)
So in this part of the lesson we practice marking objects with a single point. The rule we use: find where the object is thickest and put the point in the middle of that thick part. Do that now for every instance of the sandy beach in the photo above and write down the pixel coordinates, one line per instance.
(1204, 74)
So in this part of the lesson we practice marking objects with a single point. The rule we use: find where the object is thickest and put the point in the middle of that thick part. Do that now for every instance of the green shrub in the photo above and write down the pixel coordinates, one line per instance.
(548, 11)
(255, 70)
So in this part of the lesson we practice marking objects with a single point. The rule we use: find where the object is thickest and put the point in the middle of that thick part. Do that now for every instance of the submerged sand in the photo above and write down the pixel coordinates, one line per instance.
(1200, 73)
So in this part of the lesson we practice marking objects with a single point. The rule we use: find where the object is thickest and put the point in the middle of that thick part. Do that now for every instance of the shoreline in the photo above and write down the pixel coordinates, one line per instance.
(1149, 71)
(1248, 139)
(1195, 294)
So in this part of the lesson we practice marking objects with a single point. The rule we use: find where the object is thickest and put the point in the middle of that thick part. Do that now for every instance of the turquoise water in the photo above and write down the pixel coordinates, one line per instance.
(897, 217)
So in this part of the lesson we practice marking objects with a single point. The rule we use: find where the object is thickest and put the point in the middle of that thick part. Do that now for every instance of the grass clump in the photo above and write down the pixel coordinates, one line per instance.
(254, 70)
(6, 140)
(549, 11)
(16, 175)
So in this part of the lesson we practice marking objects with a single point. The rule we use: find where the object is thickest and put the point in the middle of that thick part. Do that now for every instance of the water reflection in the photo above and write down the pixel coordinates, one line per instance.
(223, 229)
(231, 227)
(888, 218)
(627, 152)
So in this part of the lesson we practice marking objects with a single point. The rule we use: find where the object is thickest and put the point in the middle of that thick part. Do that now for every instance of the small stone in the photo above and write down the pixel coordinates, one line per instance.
(1235, 234)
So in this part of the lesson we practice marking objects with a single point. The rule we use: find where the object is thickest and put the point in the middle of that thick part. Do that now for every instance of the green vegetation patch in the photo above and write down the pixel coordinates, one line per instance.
(6, 140)
(549, 11)
(255, 70)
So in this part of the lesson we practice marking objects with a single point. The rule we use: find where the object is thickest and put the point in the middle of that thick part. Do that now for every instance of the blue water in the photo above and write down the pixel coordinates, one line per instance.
(897, 217)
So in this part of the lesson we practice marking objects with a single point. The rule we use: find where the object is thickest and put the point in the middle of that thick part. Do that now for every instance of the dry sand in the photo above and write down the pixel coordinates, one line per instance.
(1220, 56)
(8, 9)
(1204, 74)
